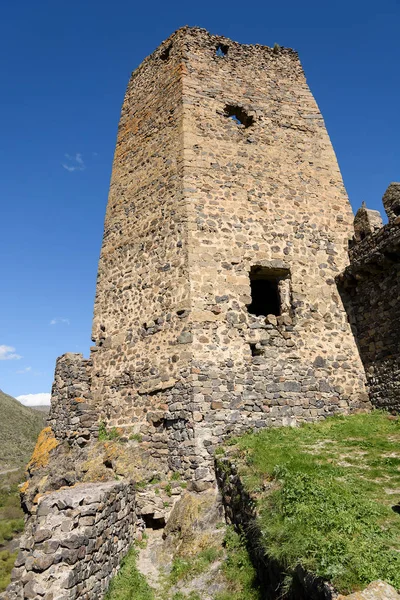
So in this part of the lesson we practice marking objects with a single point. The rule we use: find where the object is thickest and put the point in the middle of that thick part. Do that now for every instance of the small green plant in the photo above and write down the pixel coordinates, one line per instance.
(135, 437)
(108, 435)
(175, 476)
(7, 560)
(168, 489)
(155, 479)
(219, 451)
(238, 570)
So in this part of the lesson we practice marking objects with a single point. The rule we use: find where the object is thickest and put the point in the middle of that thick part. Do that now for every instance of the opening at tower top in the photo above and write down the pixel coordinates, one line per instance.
(166, 52)
(238, 115)
(396, 210)
(222, 50)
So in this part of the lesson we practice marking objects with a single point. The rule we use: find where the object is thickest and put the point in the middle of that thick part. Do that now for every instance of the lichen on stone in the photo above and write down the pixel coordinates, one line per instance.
(46, 442)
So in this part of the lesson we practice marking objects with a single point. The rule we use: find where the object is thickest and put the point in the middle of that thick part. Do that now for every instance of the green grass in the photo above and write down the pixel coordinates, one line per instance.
(324, 500)
(6, 564)
(129, 583)
(11, 522)
(236, 567)
(238, 570)
(239, 574)
(188, 568)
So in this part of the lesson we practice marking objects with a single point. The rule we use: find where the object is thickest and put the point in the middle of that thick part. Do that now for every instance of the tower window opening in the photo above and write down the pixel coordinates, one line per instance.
(255, 351)
(266, 286)
(238, 115)
(165, 53)
(396, 210)
(222, 50)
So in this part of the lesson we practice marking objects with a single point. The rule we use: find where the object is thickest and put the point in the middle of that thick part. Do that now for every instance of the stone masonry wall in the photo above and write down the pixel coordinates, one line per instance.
(370, 287)
(141, 361)
(71, 415)
(74, 544)
(196, 200)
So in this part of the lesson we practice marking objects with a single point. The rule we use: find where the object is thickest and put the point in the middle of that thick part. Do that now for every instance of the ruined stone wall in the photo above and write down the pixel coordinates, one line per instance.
(370, 288)
(74, 544)
(196, 201)
(72, 417)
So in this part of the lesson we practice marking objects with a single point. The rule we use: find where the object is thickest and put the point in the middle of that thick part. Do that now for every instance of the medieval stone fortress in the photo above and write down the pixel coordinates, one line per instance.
(234, 291)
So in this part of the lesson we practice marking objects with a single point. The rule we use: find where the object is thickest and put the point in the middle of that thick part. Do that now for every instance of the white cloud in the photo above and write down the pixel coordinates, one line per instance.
(42, 399)
(74, 163)
(26, 370)
(8, 353)
(58, 320)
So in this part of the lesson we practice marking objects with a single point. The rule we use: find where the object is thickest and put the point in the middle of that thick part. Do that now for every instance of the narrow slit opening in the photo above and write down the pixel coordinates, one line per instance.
(221, 50)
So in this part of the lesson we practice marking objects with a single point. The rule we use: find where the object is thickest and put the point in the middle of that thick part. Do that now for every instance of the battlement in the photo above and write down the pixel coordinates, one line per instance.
(216, 47)
(370, 288)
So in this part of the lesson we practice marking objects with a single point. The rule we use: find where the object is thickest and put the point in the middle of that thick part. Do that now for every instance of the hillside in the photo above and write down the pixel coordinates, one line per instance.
(19, 428)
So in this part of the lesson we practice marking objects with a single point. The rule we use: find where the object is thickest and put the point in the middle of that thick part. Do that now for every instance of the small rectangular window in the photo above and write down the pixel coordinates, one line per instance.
(265, 285)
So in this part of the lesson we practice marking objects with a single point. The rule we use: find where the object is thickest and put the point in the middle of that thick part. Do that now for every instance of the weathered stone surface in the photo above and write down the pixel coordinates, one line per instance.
(76, 561)
(391, 201)
(71, 415)
(377, 590)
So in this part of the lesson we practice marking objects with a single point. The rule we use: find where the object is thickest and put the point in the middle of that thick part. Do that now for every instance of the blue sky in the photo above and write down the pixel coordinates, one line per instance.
(64, 70)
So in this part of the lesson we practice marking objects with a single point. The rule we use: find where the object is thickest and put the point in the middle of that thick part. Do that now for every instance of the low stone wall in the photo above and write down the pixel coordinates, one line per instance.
(71, 415)
(74, 543)
(240, 510)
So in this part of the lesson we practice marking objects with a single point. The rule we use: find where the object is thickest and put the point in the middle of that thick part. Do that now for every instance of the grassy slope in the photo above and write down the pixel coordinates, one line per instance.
(11, 522)
(19, 428)
(325, 494)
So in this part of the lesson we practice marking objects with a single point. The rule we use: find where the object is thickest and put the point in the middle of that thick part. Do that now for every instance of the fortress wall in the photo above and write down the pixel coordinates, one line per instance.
(370, 287)
(74, 544)
(269, 194)
(71, 415)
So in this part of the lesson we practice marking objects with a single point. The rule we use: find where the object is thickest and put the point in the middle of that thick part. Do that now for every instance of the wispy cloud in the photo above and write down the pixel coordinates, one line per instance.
(8, 353)
(26, 370)
(42, 399)
(58, 320)
(74, 163)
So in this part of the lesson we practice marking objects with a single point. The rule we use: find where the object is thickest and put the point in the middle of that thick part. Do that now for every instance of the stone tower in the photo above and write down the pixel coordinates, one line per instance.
(227, 221)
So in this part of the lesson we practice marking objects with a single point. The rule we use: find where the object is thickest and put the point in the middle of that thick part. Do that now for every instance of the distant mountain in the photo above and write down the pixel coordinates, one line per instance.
(19, 429)
(42, 408)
